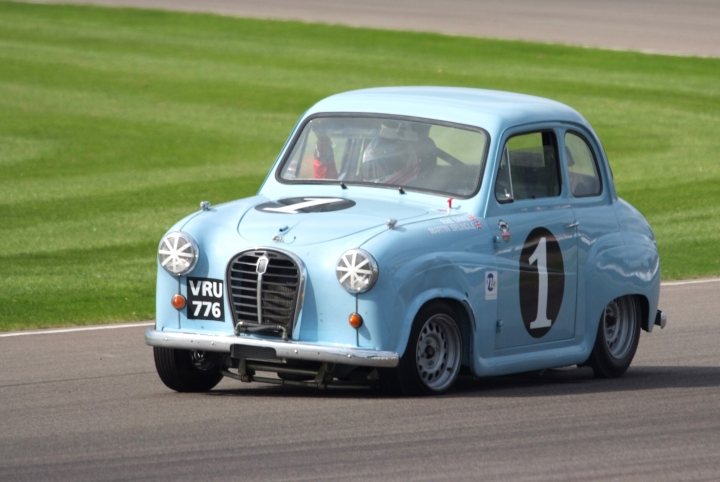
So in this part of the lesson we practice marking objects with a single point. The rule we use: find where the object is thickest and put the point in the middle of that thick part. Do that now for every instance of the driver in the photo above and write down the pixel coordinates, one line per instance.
(390, 158)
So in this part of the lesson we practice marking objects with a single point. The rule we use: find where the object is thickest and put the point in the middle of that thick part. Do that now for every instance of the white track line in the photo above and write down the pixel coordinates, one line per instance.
(691, 282)
(76, 329)
(150, 323)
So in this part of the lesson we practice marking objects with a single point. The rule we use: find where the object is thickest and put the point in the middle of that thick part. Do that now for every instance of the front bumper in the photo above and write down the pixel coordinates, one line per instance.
(291, 350)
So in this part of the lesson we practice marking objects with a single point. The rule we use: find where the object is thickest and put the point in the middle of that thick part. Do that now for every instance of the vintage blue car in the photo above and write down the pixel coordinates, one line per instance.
(404, 234)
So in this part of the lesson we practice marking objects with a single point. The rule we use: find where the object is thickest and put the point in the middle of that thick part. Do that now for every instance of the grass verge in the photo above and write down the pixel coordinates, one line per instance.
(114, 123)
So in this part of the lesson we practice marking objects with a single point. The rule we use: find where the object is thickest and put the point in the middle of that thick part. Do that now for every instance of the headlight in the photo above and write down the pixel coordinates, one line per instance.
(356, 271)
(177, 253)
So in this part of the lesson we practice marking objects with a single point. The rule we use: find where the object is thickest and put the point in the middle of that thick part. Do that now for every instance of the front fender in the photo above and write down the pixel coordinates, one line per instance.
(415, 279)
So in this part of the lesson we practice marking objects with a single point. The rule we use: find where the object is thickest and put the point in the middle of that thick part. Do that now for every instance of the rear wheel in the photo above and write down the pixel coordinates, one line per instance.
(617, 338)
(432, 359)
(187, 371)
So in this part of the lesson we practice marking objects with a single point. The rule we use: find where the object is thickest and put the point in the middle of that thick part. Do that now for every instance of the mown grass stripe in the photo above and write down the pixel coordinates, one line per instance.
(116, 122)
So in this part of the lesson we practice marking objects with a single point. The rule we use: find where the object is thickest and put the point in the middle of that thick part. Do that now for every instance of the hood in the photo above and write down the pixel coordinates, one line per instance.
(311, 220)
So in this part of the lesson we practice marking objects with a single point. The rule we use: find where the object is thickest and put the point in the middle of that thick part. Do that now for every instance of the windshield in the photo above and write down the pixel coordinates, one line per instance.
(390, 152)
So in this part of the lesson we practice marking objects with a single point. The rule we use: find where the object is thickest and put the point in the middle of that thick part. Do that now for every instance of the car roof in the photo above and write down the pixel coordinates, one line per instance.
(492, 110)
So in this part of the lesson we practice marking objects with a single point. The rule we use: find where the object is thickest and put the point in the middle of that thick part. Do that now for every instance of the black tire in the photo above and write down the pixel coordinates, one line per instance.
(187, 371)
(433, 356)
(617, 338)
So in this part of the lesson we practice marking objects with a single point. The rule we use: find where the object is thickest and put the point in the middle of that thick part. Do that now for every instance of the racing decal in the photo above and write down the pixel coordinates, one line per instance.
(295, 205)
(205, 299)
(542, 281)
(456, 223)
(475, 221)
(491, 281)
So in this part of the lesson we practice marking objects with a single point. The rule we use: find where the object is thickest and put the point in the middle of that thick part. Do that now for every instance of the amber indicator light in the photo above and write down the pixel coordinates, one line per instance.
(178, 302)
(355, 320)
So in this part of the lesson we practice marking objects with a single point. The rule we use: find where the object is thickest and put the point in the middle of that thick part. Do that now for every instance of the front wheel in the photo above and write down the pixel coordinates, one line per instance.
(432, 359)
(617, 338)
(187, 371)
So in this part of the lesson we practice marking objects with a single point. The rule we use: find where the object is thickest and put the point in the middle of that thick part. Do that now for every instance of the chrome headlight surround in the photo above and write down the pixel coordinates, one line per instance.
(177, 253)
(356, 271)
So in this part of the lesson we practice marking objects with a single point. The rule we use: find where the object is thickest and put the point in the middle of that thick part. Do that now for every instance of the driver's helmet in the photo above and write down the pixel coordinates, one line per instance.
(390, 155)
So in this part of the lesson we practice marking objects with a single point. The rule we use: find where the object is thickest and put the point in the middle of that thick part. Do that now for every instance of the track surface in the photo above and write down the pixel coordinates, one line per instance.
(687, 27)
(87, 405)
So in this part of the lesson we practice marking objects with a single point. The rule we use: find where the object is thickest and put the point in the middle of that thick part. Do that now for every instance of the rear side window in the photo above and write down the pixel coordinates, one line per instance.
(528, 168)
(582, 166)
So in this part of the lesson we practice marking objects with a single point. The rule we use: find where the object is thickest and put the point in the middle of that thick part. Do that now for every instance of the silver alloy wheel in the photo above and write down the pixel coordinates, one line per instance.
(437, 356)
(619, 323)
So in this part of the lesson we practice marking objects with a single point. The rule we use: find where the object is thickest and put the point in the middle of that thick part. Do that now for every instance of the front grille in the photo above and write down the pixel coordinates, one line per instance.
(265, 288)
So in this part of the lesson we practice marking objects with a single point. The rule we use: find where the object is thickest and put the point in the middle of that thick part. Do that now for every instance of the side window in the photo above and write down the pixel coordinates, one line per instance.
(582, 166)
(528, 168)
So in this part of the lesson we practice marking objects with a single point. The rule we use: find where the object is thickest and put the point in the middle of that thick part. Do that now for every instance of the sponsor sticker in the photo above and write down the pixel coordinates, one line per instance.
(491, 282)
(455, 224)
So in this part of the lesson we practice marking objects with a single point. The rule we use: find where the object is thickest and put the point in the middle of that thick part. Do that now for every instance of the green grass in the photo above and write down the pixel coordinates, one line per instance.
(114, 123)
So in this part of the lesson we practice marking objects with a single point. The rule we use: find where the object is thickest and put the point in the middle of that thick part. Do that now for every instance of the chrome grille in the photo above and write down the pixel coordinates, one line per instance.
(264, 288)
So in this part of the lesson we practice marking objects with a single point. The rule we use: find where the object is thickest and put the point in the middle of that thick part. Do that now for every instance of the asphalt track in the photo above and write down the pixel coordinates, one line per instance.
(678, 27)
(87, 405)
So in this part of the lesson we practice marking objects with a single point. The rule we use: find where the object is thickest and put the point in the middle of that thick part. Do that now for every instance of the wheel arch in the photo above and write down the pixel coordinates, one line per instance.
(465, 319)
(594, 318)
(420, 375)
(462, 314)
(611, 357)
(644, 305)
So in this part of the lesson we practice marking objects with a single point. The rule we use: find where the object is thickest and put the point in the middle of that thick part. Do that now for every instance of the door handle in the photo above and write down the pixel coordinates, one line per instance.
(573, 224)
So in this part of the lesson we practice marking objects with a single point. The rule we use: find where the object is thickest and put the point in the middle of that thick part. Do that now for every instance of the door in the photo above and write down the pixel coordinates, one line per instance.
(535, 245)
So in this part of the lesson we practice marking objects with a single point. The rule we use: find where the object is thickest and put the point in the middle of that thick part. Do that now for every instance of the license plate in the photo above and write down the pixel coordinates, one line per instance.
(205, 299)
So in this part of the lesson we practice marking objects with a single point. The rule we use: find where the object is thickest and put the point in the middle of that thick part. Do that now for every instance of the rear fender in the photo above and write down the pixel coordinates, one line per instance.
(615, 270)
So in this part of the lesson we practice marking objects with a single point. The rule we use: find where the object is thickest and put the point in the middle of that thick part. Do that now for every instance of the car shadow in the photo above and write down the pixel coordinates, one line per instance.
(580, 381)
(552, 382)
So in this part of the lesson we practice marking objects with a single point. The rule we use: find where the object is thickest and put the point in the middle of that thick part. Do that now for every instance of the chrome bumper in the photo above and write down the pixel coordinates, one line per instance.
(283, 349)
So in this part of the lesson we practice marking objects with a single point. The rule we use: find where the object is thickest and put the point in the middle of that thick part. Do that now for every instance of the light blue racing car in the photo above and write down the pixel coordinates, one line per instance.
(403, 235)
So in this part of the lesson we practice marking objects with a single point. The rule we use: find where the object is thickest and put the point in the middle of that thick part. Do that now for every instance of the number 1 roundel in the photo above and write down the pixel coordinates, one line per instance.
(542, 281)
